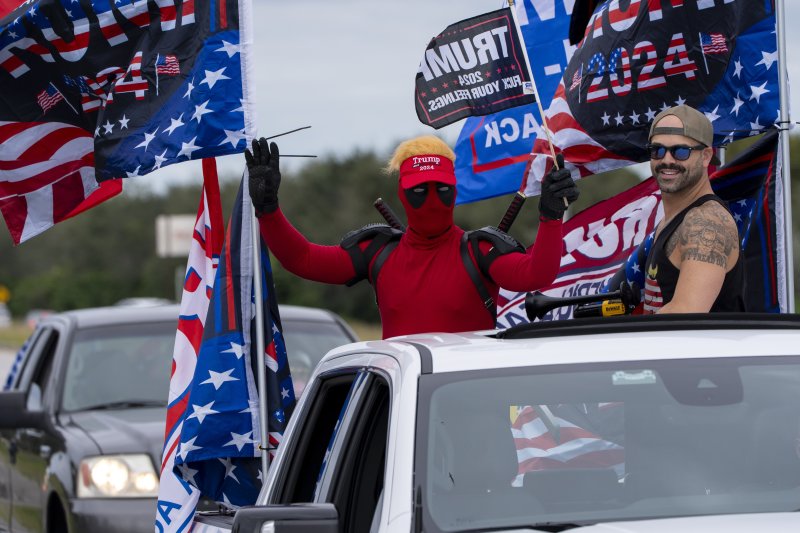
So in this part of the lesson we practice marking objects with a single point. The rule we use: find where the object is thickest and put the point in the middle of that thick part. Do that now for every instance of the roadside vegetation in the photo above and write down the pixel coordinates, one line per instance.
(108, 253)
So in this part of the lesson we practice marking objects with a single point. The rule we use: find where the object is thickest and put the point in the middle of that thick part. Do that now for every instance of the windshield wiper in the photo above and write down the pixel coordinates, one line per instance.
(557, 526)
(126, 404)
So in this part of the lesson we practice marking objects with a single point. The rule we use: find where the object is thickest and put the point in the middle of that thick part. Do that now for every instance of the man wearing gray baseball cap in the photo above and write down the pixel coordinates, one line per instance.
(694, 264)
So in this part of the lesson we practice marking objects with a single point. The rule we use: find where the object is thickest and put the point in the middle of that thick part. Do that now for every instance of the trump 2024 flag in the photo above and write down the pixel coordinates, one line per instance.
(474, 67)
(96, 90)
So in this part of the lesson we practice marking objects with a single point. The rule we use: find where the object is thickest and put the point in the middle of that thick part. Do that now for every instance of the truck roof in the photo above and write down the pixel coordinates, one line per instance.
(599, 340)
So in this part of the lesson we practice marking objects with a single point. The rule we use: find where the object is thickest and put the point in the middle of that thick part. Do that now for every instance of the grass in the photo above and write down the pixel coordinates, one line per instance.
(13, 336)
(366, 331)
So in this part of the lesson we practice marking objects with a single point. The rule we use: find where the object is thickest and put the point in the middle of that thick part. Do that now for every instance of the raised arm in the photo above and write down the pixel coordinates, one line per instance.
(538, 267)
(327, 264)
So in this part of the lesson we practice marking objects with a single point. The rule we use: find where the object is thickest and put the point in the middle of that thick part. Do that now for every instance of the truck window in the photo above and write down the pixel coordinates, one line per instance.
(358, 481)
(298, 482)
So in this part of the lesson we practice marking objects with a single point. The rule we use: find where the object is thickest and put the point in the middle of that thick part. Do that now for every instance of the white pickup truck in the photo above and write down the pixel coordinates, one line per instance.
(633, 424)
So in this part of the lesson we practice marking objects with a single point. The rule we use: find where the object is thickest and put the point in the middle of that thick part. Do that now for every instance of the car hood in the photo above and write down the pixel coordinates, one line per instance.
(139, 430)
(731, 523)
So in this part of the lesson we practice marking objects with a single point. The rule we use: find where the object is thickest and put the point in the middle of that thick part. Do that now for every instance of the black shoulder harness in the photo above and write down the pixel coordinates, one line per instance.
(502, 243)
(383, 237)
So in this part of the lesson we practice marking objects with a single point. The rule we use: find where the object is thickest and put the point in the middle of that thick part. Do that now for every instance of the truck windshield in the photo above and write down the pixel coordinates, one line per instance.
(591, 443)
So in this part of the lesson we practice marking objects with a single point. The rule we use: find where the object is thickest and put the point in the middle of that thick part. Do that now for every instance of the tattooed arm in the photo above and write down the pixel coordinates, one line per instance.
(705, 247)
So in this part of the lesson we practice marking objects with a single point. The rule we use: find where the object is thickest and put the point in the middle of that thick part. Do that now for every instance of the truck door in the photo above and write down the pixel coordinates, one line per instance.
(354, 478)
(8, 444)
(32, 445)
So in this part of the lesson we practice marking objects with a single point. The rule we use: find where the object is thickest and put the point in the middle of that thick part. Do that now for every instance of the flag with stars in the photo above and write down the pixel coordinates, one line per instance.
(177, 499)
(218, 450)
(643, 58)
(162, 82)
(473, 67)
(604, 238)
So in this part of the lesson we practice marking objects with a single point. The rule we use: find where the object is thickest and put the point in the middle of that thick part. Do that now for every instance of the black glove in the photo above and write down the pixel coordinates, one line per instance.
(556, 186)
(265, 175)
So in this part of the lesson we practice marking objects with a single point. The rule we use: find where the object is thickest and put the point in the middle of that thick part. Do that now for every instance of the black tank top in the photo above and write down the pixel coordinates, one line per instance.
(661, 276)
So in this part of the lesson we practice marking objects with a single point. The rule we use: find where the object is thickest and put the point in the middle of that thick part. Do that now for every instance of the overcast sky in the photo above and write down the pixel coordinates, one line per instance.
(347, 67)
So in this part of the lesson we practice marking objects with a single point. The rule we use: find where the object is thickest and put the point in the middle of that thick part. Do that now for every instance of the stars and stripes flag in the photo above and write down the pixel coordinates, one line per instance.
(117, 124)
(603, 238)
(168, 65)
(560, 437)
(625, 69)
(605, 124)
(713, 43)
(176, 498)
(576, 80)
(218, 447)
(48, 98)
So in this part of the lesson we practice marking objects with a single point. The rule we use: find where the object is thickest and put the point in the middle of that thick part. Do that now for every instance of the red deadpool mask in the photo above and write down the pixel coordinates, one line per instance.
(429, 207)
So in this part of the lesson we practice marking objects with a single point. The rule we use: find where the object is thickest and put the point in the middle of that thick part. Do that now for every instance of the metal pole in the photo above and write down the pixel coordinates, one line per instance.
(261, 370)
(533, 83)
(784, 126)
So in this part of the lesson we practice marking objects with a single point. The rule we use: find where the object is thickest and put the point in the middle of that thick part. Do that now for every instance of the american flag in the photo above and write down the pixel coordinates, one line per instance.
(48, 98)
(168, 65)
(576, 79)
(46, 176)
(218, 449)
(546, 439)
(713, 43)
(608, 128)
(101, 106)
(652, 298)
(177, 498)
(604, 237)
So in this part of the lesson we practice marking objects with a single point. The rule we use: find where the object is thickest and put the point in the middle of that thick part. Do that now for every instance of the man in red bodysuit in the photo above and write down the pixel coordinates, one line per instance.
(433, 277)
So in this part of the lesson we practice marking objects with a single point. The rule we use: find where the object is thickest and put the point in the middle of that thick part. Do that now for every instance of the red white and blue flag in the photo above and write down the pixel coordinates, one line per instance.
(562, 437)
(218, 446)
(141, 97)
(636, 59)
(168, 65)
(176, 498)
(651, 56)
(603, 238)
(713, 43)
(48, 98)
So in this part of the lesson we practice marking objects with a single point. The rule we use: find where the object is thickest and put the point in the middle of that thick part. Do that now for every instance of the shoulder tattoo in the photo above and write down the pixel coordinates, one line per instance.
(707, 234)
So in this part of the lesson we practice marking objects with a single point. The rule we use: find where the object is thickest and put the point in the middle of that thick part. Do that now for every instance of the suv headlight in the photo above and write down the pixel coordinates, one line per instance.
(117, 476)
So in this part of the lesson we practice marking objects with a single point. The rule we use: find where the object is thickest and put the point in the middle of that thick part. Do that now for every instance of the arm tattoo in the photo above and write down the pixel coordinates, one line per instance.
(707, 234)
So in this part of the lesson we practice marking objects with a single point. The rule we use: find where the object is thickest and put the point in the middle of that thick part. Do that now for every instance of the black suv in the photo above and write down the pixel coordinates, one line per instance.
(82, 426)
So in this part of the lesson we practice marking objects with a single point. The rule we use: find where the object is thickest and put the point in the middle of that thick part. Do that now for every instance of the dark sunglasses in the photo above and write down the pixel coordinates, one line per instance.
(680, 152)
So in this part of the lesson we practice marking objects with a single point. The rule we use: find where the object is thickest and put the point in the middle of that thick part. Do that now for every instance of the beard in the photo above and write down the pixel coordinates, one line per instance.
(686, 177)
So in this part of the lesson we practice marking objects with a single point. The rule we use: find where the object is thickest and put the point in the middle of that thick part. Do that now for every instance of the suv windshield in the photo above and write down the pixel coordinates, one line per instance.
(600, 442)
(119, 365)
(306, 343)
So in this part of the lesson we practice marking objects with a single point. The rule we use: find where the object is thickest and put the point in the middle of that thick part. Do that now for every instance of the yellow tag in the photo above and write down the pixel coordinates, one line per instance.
(613, 308)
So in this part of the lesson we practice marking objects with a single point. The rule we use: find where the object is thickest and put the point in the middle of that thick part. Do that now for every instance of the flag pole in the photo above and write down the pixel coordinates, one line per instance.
(703, 50)
(519, 198)
(261, 371)
(784, 124)
(533, 83)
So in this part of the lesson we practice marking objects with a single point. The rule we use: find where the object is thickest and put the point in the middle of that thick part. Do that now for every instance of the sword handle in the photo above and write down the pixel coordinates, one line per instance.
(388, 215)
(512, 212)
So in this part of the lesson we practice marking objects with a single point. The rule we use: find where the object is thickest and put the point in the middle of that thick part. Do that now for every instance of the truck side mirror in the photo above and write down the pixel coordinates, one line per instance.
(14, 411)
(293, 518)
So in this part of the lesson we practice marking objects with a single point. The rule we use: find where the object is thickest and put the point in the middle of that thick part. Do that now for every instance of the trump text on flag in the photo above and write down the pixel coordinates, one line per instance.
(474, 67)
